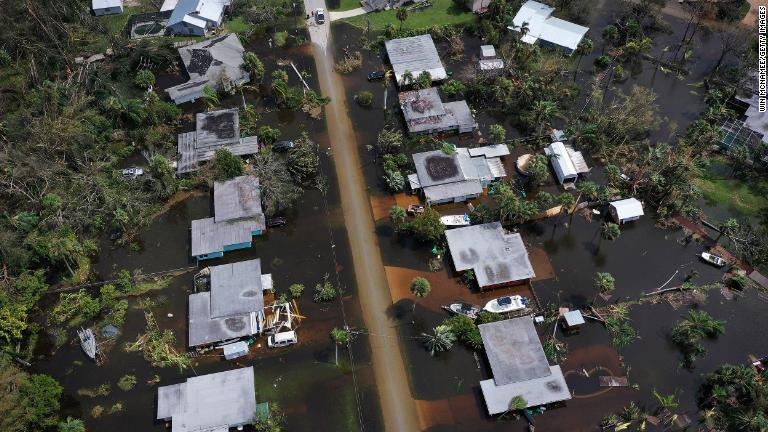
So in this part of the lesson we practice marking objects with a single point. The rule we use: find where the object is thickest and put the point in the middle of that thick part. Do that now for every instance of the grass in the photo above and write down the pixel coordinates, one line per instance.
(442, 12)
(343, 5)
(742, 197)
(237, 25)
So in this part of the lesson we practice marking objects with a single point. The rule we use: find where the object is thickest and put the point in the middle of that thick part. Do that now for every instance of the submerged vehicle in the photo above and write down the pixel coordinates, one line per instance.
(376, 75)
(506, 304)
(415, 209)
(467, 309)
(276, 222)
(282, 146)
(713, 259)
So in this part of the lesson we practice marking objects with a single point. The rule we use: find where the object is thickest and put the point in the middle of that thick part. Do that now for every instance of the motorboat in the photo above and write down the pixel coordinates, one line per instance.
(506, 304)
(467, 309)
(455, 220)
(415, 209)
(713, 259)
(87, 342)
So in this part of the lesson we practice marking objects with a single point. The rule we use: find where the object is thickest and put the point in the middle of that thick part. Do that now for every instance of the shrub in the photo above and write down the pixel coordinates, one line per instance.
(453, 87)
(281, 39)
(420, 287)
(227, 165)
(254, 66)
(268, 134)
(126, 382)
(144, 79)
(41, 395)
(602, 62)
(296, 290)
(394, 180)
(364, 98)
(5, 58)
(497, 133)
(325, 291)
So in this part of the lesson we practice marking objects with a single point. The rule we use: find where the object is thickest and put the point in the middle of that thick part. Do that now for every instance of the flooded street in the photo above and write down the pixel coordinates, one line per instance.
(396, 402)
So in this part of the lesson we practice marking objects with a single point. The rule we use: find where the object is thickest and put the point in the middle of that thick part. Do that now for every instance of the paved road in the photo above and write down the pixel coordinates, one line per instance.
(397, 404)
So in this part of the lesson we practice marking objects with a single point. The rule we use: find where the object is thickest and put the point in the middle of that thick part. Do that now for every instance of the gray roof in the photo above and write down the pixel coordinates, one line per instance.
(415, 54)
(213, 130)
(236, 289)
(436, 167)
(542, 25)
(493, 150)
(538, 391)
(419, 104)
(495, 255)
(217, 127)
(104, 4)
(215, 401)
(237, 198)
(461, 115)
(206, 10)
(209, 236)
(424, 111)
(573, 318)
(453, 190)
(207, 63)
(204, 329)
(514, 350)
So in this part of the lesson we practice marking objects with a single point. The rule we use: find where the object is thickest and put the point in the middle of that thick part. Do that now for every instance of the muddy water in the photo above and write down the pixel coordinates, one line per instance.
(397, 405)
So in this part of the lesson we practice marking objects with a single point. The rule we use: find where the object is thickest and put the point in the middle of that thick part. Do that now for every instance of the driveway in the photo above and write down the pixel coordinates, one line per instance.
(349, 13)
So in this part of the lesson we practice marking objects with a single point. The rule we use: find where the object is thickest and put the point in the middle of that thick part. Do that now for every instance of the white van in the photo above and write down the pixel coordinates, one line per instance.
(282, 339)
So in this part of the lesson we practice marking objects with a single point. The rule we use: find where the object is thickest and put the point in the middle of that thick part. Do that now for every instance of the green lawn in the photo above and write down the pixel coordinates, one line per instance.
(236, 25)
(441, 12)
(343, 5)
(742, 197)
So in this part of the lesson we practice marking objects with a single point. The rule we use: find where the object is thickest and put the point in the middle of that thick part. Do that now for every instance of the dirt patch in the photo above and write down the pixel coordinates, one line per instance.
(542, 266)
(440, 412)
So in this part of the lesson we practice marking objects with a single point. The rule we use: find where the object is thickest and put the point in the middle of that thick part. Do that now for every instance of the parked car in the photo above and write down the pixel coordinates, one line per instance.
(133, 172)
(276, 222)
(376, 75)
(282, 146)
(320, 15)
(278, 340)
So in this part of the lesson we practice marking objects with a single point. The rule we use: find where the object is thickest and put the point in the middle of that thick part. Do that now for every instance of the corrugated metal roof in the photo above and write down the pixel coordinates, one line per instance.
(495, 255)
(237, 198)
(561, 162)
(209, 236)
(215, 401)
(542, 25)
(415, 54)
(514, 350)
(452, 190)
(538, 391)
(487, 51)
(204, 329)
(489, 151)
(236, 289)
(628, 208)
(491, 64)
(496, 167)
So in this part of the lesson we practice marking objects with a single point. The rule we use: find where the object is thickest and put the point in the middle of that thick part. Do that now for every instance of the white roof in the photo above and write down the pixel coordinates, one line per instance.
(542, 25)
(561, 161)
(168, 5)
(628, 208)
(488, 51)
(537, 391)
(573, 318)
(489, 151)
(415, 54)
(197, 12)
(103, 4)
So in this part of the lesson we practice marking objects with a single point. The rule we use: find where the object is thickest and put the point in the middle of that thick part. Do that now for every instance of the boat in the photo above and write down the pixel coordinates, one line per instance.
(467, 309)
(415, 209)
(522, 163)
(713, 259)
(455, 220)
(506, 304)
(87, 342)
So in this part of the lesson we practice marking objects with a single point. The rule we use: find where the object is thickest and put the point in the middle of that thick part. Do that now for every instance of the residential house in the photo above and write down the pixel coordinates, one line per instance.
(626, 210)
(196, 17)
(519, 366)
(489, 64)
(415, 54)
(545, 29)
(477, 6)
(425, 113)
(567, 163)
(215, 63)
(233, 308)
(458, 176)
(497, 257)
(107, 7)
(214, 130)
(237, 218)
(213, 402)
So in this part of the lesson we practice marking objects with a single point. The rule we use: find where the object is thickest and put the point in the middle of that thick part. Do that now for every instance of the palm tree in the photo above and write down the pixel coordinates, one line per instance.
(610, 231)
(402, 15)
(397, 216)
(727, 228)
(420, 287)
(543, 112)
(441, 339)
(604, 283)
(407, 78)
(340, 337)
(584, 48)
(524, 29)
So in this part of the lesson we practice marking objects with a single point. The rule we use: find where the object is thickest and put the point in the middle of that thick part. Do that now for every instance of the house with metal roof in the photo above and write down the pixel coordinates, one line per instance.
(425, 113)
(214, 403)
(237, 218)
(196, 17)
(215, 63)
(415, 54)
(107, 7)
(545, 29)
(626, 210)
(213, 130)
(233, 308)
(519, 366)
(457, 176)
(497, 257)
(567, 163)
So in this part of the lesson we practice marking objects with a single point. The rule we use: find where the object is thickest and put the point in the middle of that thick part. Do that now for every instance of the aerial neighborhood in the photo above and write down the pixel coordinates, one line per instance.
(383, 215)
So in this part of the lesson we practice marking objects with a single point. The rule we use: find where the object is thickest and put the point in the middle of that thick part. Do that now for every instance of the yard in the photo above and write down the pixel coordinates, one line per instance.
(441, 12)
(343, 5)
(720, 186)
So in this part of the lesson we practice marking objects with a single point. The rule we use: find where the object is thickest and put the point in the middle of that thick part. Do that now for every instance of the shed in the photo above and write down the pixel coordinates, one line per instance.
(487, 51)
(546, 29)
(573, 319)
(107, 7)
(477, 6)
(235, 350)
(566, 162)
(626, 210)
(415, 54)
(213, 402)
(497, 257)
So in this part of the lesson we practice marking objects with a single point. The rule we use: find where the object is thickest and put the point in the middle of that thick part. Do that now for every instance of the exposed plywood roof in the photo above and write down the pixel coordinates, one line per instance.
(496, 256)
(514, 350)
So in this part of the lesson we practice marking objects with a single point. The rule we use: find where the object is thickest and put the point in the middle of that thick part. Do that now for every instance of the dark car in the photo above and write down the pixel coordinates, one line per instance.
(282, 146)
(276, 222)
(376, 75)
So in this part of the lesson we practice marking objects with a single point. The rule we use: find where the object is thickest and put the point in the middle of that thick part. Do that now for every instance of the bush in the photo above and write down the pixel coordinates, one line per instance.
(738, 281)
(144, 79)
(602, 62)
(5, 58)
(453, 87)
(254, 66)
(281, 39)
(268, 134)
(427, 227)
(126, 382)
(364, 98)
(296, 290)
(497, 133)
(420, 287)
(394, 180)
(227, 165)
(41, 395)
(325, 291)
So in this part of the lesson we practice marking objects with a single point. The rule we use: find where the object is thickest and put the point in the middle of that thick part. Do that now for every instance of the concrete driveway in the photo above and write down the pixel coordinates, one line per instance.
(349, 13)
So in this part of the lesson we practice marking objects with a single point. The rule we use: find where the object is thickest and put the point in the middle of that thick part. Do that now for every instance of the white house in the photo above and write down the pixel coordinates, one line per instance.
(626, 210)
(196, 17)
(567, 163)
(107, 7)
(546, 29)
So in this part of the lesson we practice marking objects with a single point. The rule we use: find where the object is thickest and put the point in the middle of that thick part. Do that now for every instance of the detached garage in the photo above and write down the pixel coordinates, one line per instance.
(626, 210)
